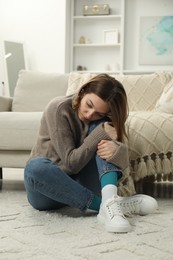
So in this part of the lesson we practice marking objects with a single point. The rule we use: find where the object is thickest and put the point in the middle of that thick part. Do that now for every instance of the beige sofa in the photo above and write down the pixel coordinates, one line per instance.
(149, 125)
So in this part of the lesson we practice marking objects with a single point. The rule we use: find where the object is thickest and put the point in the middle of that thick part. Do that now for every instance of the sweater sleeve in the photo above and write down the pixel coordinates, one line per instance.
(120, 158)
(75, 158)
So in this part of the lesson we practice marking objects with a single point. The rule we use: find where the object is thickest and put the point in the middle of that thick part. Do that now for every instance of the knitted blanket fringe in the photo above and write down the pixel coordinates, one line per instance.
(160, 164)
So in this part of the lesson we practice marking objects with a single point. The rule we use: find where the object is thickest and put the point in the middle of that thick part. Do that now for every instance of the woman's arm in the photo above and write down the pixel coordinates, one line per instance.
(114, 152)
(75, 158)
(61, 124)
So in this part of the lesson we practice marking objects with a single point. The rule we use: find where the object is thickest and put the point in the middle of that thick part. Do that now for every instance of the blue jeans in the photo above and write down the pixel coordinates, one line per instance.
(48, 187)
(102, 165)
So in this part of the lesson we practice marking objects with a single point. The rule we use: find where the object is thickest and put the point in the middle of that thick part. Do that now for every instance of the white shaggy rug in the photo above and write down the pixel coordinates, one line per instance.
(67, 234)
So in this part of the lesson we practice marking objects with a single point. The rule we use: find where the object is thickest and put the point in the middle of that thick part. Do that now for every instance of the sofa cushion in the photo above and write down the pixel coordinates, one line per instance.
(143, 91)
(35, 89)
(165, 102)
(19, 130)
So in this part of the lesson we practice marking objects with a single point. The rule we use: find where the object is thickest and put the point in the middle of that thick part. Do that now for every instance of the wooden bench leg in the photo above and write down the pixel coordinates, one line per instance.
(1, 174)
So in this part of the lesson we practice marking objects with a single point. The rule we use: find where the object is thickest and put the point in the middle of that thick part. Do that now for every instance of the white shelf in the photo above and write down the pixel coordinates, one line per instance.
(95, 45)
(97, 17)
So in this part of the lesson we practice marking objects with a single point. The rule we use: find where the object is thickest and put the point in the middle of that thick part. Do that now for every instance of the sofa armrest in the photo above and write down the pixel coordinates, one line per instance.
(5, 103)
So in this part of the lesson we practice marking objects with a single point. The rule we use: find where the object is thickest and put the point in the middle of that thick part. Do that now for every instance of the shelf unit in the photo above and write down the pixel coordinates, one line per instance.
(96, 54)
(123, 57)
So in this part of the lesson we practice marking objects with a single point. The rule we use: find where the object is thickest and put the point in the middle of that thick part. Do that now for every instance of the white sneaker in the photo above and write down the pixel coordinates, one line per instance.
(112, 217)
(138, 204)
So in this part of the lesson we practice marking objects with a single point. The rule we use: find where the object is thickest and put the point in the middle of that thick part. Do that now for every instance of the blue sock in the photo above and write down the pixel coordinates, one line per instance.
(109, 178)
(106, 179)
(109, 185)
(95, 204)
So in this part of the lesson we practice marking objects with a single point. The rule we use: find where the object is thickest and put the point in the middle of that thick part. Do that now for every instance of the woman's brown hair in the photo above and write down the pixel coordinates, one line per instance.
(111, 91)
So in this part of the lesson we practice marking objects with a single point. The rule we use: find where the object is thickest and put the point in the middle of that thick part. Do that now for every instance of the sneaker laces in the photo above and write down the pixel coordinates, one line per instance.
(114, 208)
(131, 207)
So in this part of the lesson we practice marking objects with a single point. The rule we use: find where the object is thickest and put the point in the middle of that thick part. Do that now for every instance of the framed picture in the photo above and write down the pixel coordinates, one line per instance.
(111, 36)
(156, 40)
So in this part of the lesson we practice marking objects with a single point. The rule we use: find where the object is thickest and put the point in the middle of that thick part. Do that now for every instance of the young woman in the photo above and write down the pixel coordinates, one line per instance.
(79, 155)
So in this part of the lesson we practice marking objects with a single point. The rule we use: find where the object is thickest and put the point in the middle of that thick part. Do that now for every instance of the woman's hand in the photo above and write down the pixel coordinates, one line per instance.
(110, 130)
(106, 149)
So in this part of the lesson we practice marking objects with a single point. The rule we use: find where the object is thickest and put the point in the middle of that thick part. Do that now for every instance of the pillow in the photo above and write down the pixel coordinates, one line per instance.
(35, 89)
(76, 80)
(143, 90)
(165, 103)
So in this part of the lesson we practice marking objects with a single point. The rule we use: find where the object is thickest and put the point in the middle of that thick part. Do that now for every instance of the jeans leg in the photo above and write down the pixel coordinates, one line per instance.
(102, 165)
(89, 177)
(48, 187)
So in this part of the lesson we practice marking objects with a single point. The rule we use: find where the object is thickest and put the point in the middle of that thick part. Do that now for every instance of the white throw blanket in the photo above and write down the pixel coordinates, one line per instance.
(150, 142)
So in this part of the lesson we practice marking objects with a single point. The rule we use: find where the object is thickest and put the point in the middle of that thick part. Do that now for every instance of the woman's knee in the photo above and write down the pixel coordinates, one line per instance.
(36, 164)
(35, 167)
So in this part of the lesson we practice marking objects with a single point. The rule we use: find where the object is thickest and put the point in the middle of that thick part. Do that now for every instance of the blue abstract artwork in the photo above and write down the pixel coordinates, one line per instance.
(156, 40)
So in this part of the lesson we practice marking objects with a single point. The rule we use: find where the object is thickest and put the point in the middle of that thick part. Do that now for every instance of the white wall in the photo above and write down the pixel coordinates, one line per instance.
(40, 25)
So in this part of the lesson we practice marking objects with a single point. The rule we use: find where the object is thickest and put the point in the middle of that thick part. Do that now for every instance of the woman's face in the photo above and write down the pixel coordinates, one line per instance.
(92, 108)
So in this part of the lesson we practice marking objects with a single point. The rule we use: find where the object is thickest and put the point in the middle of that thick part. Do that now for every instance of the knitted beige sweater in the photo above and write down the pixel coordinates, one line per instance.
(63, 138)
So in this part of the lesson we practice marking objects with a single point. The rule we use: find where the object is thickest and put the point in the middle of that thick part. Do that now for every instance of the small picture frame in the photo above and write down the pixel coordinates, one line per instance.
(111, 36)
